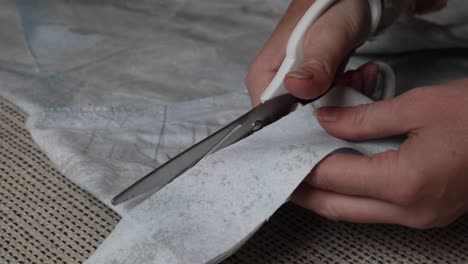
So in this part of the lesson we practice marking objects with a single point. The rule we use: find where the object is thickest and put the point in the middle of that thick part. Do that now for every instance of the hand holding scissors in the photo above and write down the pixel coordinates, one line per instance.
(276, 103)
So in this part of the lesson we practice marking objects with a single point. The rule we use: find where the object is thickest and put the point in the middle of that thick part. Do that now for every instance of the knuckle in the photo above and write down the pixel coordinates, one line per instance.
(414, 94)
(318, 63)
(407, 181)
(329, 210)
(252, 72)
(424, 220)
(405, 197)
(320, 179)
(410, 191)
(412, 185)
(248, 79)
(352, 30)
(355, 23)
(360, 115)
(414, 105)
(332, 214)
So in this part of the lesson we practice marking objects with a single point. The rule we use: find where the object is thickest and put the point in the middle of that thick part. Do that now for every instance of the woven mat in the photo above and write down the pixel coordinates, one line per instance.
(44, 218)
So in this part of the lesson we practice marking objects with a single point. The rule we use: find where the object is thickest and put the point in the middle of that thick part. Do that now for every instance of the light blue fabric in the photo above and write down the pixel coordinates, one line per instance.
(212, 209)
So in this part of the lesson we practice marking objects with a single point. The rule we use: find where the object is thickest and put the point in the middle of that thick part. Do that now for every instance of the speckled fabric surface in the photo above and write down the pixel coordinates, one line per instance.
(69, 232)
(206, 213)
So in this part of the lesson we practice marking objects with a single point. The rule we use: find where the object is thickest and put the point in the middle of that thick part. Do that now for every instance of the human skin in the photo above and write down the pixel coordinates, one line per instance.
(326, 45)
(422, 185)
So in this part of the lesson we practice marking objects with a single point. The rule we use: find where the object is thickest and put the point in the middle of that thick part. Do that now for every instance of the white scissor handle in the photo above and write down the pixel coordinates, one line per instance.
(295, 49)
(347, 96)
(388, 80)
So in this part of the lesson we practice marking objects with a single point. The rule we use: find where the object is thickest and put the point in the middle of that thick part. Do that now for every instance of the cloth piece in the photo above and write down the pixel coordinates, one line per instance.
(104, 150)
(81, 53)
(292, 235)
(213, 208)
(137, 53)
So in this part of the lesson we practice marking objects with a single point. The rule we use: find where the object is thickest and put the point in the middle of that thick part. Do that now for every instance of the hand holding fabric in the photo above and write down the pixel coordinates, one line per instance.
(422, 185)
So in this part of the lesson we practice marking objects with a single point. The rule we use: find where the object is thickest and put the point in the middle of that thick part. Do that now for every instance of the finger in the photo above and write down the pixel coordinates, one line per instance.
(363, 80)
(369, 73)
(267, 63)
(341, 207)
(326, 46)
(352, 79)
(381, 119)
(379, 176)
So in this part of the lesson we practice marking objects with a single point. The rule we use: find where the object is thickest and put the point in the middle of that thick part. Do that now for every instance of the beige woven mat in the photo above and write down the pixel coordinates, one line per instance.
(44, 218)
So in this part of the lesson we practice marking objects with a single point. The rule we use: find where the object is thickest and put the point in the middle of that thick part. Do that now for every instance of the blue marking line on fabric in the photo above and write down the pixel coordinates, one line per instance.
(161, 133)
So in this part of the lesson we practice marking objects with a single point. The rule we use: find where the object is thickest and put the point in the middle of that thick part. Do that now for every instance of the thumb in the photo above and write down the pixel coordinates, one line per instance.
(327, 45)
(369, 121)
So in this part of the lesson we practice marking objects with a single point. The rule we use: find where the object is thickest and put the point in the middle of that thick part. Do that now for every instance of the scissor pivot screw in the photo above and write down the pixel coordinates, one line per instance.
(257, 125)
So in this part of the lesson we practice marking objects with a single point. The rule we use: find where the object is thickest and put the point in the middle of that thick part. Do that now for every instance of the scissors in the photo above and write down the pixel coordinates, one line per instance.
(276, 103)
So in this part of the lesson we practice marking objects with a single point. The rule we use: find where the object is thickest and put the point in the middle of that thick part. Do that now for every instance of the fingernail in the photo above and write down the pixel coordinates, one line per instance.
(327, 114)
(299, 75)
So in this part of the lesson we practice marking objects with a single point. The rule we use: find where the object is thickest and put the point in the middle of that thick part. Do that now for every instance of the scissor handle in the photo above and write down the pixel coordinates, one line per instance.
(347, 96)
(388, 81)
(295, 47)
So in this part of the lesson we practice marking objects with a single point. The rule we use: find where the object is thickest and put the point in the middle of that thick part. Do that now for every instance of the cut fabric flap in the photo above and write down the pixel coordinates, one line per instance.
(207, 213)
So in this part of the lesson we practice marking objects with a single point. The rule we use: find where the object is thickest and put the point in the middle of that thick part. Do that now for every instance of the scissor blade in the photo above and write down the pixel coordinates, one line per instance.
(244, 126)
(170, 170)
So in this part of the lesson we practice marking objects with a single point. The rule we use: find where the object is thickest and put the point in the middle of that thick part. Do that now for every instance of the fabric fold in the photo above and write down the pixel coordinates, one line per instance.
(215, 206)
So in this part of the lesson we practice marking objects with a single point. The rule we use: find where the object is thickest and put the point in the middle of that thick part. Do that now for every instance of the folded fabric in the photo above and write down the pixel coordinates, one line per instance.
(105, 149)
(212, 209)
